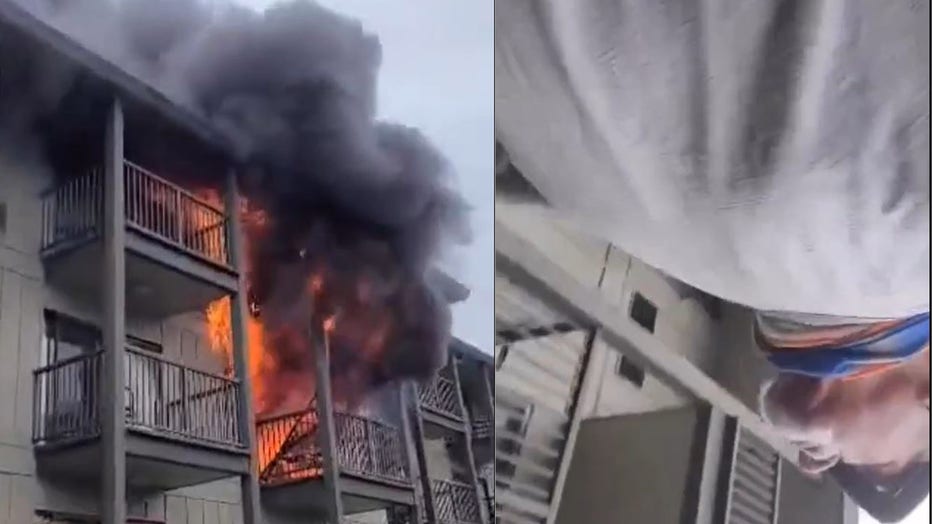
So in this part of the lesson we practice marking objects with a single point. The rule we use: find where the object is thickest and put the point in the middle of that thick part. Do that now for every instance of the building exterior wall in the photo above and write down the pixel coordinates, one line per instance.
(629, 468)
(608, 394)
(739, 367)
(23, 297)
(804, 500)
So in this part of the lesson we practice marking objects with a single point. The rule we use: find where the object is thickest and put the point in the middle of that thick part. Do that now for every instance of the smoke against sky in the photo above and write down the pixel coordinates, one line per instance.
(452, 103)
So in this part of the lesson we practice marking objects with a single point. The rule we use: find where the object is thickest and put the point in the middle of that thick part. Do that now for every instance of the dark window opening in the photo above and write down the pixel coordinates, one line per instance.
(2, 217)
(66, 337)
(630, 371)
(644, 312)
(145, 345)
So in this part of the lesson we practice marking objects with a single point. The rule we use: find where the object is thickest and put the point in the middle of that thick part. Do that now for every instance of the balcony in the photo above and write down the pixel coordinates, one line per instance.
(440, 403)
(371, 455)
(171, 411)
(455, 502)
(177, 244)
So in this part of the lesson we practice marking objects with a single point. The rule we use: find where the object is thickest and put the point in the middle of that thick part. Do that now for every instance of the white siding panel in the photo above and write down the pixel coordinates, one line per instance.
(10, 318)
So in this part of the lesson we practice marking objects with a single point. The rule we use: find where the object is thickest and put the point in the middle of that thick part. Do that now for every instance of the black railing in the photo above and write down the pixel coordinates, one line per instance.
(72, 211)
(65, 400)
(455, 502)
(370, 449)
(170, 398)
(287, 448)
(160, 397)
(440, 395)
(159, 207)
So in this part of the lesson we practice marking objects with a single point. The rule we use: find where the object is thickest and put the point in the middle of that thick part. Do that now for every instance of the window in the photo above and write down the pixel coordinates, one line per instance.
(67, 338)
(644, 312)
(144, 345)
(629, 371)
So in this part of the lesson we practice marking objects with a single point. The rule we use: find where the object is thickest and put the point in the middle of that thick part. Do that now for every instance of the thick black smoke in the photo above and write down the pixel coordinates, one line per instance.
(367, 204)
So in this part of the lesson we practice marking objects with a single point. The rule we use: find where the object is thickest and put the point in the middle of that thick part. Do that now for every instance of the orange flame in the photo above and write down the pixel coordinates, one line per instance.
(358, 327)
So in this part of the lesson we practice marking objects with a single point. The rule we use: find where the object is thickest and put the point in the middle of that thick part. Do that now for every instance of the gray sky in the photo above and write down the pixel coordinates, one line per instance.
(437, 74)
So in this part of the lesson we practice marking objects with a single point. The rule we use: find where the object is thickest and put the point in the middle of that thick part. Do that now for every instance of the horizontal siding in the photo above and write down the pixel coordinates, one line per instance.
(23, 296)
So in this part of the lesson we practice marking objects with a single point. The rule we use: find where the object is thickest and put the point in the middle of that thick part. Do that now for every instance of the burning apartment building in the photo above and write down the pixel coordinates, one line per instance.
(218, 299)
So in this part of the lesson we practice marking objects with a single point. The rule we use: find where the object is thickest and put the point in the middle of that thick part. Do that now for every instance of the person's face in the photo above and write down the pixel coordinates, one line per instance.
(880, 421)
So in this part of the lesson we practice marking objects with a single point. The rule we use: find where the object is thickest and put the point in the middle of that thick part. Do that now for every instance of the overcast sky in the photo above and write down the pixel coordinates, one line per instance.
(436, 75)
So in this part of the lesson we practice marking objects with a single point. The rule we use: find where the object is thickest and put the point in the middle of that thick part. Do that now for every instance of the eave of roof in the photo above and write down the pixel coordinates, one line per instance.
(18, 19)
(470, 352)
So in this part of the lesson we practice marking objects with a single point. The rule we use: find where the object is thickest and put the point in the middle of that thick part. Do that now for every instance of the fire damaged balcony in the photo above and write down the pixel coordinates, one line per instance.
(374, 472)
(170, 411)
(177, 260)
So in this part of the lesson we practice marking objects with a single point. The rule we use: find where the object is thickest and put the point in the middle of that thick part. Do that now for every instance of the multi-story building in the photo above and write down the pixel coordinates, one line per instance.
(114, 407)
(622, 394)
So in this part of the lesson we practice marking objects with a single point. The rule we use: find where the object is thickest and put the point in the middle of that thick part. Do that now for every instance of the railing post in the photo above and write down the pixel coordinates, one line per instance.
(113, 494)
(409, 460)
(249, 483)
(179, 227)
(470, 456)
(417, 430)
(326, 430)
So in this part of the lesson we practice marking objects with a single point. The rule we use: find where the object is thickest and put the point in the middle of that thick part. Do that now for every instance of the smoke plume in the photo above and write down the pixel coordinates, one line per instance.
(336, 196)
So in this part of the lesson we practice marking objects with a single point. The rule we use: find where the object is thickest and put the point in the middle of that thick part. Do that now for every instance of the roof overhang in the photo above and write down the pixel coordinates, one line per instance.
(15, 19)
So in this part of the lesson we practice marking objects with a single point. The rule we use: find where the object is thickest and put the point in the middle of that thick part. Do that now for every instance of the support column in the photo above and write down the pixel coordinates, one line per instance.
(239, 312)
(470, 456)
(113, 401)
(487, 375)
(417, 428)
(326, 426)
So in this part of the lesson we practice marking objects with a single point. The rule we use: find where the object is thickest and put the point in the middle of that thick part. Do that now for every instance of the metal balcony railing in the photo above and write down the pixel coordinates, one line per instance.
(440, 395)
(160, 397)
(455, 502)
(65, 400)
(370, 449)
(169, 398)
(72, 213)
(288, 451)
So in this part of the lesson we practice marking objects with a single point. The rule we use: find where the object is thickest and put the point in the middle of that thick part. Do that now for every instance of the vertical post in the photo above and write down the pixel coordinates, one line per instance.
(407, 402)
(467, 439)
(113, 409)
(249, 483)
(489, 390)
(326, 429)
(417, 428)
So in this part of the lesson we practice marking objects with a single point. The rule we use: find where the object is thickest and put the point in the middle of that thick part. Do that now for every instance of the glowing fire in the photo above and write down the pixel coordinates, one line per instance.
(220, 337)
(280, 358)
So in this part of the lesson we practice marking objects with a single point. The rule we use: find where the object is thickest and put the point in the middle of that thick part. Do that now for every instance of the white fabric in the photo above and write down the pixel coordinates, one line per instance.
(772, 153)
